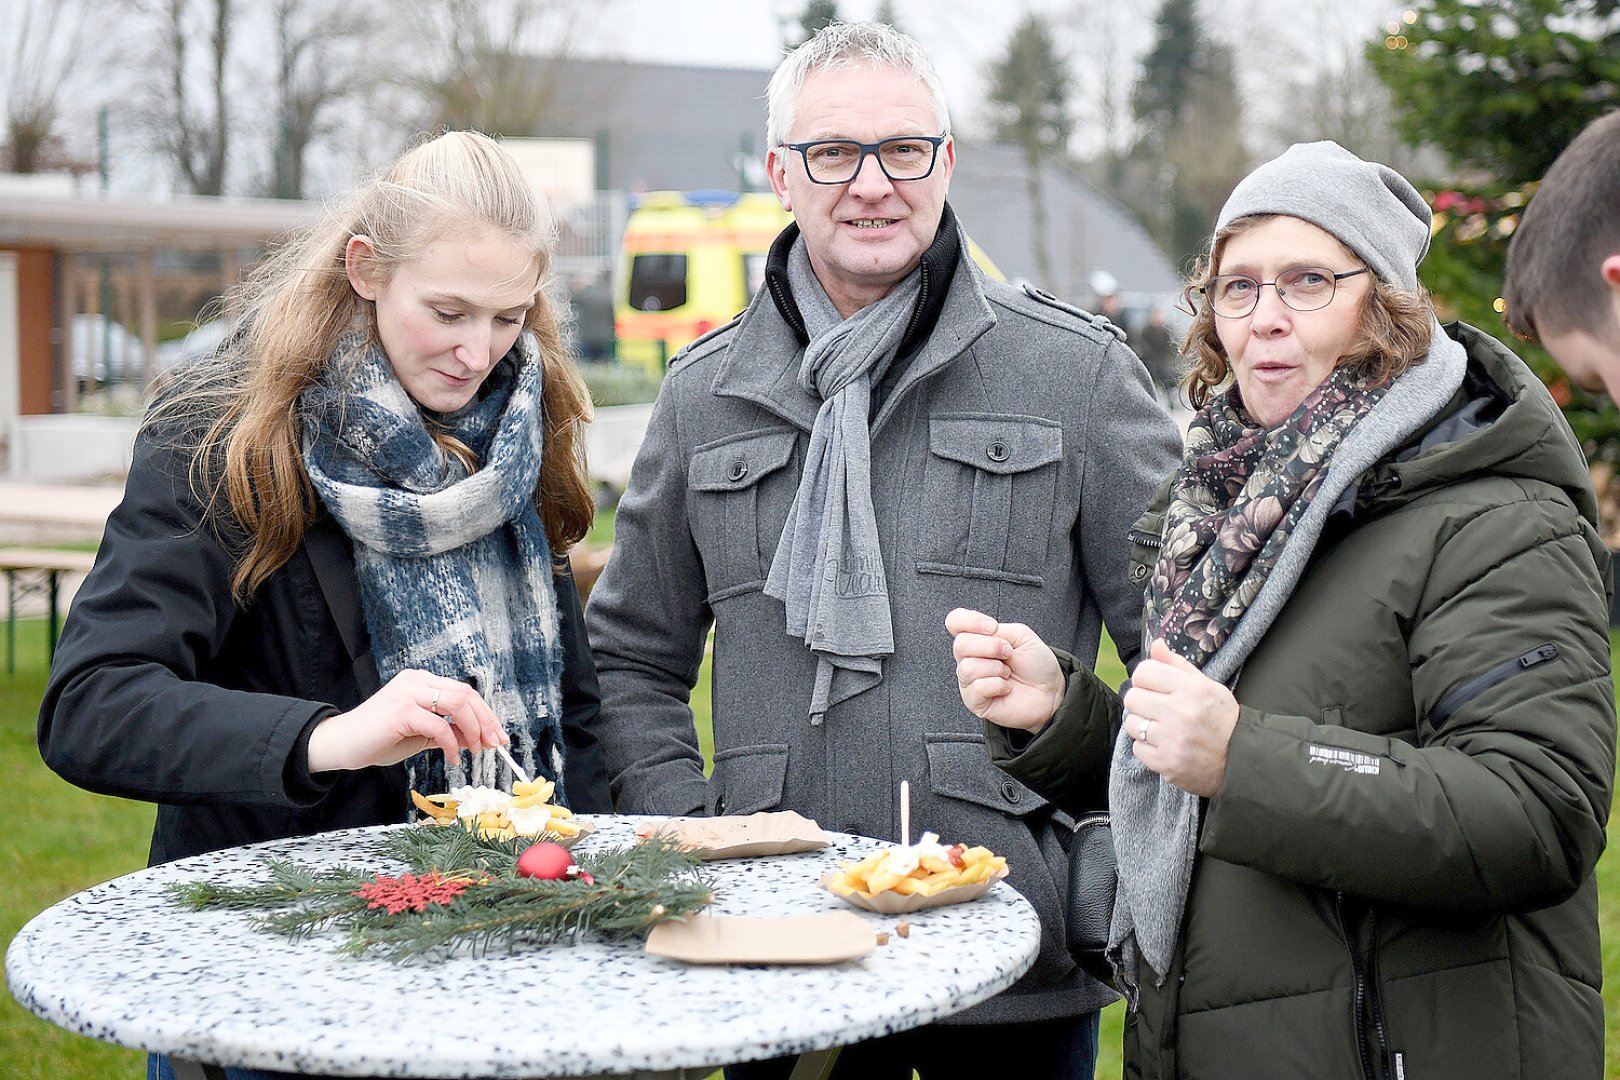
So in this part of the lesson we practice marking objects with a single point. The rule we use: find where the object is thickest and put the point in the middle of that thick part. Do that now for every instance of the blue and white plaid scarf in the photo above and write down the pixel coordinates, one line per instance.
(454, 568)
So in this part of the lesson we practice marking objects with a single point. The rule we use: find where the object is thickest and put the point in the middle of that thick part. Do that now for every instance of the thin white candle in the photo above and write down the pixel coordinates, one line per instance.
(905, 813)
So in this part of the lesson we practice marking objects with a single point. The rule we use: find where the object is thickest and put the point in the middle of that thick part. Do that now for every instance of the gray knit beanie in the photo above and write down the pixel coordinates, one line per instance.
(1369, 207)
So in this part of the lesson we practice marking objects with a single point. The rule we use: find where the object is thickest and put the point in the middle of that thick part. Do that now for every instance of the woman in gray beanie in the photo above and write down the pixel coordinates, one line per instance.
(1359, 785)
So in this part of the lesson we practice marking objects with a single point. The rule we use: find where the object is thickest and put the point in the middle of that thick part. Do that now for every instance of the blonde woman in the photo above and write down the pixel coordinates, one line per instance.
(338, 570)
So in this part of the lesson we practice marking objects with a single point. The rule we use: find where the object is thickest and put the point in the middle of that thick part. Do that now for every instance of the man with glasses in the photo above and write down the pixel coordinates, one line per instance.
(1563, 269)
(883, 435)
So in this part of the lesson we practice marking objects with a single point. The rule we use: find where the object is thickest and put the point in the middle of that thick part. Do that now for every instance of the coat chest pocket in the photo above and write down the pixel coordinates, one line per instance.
(990, 486)
(747, 779)
(959, 768)
(724, 489)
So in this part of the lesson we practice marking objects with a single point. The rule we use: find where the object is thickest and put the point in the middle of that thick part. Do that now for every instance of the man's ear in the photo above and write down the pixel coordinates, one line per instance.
(776, 166)
(1610, 269)
(360, 264)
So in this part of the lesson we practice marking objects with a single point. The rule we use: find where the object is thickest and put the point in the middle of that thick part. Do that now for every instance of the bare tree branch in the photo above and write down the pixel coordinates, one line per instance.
(320, 62)
(194, 135)
(48, 43)
(487, 75)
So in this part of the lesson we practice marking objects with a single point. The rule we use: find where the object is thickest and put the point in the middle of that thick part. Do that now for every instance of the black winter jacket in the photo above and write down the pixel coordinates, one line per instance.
(164, 689)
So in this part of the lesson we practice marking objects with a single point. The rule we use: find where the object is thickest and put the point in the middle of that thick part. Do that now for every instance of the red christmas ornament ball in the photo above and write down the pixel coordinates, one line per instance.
(546, 861)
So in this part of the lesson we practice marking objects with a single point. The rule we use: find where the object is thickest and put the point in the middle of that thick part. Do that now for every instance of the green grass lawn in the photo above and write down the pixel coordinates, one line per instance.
(62, 840)
(58, 840)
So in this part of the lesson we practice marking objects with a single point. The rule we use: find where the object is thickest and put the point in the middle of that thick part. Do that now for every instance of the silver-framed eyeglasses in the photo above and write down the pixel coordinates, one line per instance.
(838, 161)
(1305, 288)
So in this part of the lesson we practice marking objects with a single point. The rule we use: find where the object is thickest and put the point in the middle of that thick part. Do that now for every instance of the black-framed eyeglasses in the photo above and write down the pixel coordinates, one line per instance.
(1307, 288)
(838, 161)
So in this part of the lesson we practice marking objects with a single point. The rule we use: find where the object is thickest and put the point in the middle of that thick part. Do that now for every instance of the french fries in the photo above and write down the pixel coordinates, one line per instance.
(528, 811)
(925, 869)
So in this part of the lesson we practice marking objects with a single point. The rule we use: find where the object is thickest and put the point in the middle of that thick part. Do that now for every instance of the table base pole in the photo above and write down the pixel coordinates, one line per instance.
(815, 1064)
(185, 1069)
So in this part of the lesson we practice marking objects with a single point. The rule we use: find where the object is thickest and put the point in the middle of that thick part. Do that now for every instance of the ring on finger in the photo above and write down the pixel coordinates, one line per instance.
(1142, 728)
(433, 706)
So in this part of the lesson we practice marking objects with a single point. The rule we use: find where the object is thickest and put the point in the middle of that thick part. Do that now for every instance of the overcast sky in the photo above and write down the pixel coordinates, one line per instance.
(1105, 38)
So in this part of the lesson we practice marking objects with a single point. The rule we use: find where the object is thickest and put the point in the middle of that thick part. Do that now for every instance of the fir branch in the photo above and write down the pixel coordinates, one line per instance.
(289, 884)
(633, 889)
(456, 848)
(506, 914)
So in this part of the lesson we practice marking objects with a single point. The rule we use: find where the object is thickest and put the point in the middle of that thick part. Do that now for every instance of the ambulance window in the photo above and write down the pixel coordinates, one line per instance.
(657, 282)
(754, 272)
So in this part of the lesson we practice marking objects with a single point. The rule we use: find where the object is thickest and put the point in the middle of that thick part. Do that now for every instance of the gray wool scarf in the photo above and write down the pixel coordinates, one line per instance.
(1155, 823)
(454, 569)
(828, 567)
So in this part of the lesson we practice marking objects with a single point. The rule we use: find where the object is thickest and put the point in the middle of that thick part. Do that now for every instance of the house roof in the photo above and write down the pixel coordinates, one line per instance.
(71, 222)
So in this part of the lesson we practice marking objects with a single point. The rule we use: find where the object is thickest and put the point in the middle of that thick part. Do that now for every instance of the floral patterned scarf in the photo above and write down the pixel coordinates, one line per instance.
(1233, 505)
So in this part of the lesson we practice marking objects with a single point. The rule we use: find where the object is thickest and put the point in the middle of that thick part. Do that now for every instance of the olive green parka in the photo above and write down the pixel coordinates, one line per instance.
(1395, 878)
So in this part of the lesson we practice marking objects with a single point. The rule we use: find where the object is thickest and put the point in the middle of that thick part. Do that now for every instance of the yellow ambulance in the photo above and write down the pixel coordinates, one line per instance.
(691, 261)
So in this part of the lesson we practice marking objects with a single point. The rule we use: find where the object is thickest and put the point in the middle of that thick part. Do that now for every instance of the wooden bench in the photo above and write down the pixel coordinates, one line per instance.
(41, 570)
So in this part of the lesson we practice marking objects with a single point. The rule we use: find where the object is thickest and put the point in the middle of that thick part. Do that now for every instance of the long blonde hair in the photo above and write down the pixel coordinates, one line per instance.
(241, 404)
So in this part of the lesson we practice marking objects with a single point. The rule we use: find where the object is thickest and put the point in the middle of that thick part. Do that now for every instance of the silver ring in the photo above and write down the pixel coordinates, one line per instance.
(433, 706)
(1141, 730)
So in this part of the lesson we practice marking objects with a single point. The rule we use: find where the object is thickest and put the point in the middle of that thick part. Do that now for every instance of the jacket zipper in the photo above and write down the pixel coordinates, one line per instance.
(917, 310)
(1387, 1057)
(1153, 540)
(784, 302)
(1468, 691)
(1360, 997)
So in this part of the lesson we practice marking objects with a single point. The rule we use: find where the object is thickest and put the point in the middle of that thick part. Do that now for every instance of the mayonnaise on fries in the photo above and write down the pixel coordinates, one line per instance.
(926, 868)
(527, 811)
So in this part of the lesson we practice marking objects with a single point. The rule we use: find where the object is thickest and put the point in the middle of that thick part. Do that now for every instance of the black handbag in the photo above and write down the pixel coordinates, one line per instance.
(1093, 874)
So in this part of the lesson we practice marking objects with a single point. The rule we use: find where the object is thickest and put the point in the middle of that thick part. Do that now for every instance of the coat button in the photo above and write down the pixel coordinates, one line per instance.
(1009, 791)
(720, 806)
(997, 451)
(739, 469)
(1139, 573)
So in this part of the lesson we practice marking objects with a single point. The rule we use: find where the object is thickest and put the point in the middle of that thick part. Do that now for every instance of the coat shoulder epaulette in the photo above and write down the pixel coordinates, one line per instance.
(1096, 325)
(705, 344)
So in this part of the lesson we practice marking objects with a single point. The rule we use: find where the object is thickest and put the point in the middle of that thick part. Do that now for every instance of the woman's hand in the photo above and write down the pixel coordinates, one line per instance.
(1005, 672)
(1188, 719)
(415, 711)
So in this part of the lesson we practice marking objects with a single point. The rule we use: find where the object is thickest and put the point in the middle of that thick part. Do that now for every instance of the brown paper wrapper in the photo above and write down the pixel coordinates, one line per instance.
(795, 939)
(781, 832)
(889, 902)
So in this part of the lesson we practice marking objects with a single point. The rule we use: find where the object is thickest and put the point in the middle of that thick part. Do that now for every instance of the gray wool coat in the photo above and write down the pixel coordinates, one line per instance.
(1008, 464)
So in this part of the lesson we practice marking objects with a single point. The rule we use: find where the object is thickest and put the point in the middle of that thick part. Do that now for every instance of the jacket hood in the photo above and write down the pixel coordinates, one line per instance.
(1501, 421)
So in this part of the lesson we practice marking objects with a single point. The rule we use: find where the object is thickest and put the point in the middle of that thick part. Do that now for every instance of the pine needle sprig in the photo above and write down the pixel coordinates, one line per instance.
(453, 849)
(290, 883)
(468, 898)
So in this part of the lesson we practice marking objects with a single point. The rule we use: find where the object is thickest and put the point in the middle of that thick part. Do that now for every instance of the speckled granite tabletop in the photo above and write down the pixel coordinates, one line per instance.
(120, 962)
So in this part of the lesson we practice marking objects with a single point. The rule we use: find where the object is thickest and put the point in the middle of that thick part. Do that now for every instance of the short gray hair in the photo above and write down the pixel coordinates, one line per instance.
(842, 45)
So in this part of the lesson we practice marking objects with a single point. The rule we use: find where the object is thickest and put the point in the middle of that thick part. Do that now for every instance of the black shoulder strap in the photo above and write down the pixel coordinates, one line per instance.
(333, 561)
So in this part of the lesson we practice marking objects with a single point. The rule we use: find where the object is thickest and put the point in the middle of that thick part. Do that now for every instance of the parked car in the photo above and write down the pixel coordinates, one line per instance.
(104, 350)
(201, 341)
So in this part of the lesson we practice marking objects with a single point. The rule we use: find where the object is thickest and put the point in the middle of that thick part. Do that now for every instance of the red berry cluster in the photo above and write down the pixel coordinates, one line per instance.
(411, 893)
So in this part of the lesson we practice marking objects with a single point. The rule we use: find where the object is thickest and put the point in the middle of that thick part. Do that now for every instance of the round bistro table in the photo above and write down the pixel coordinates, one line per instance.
(121, 962)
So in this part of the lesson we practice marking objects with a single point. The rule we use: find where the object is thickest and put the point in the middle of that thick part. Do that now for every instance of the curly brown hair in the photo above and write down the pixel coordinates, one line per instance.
(1394, 333)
